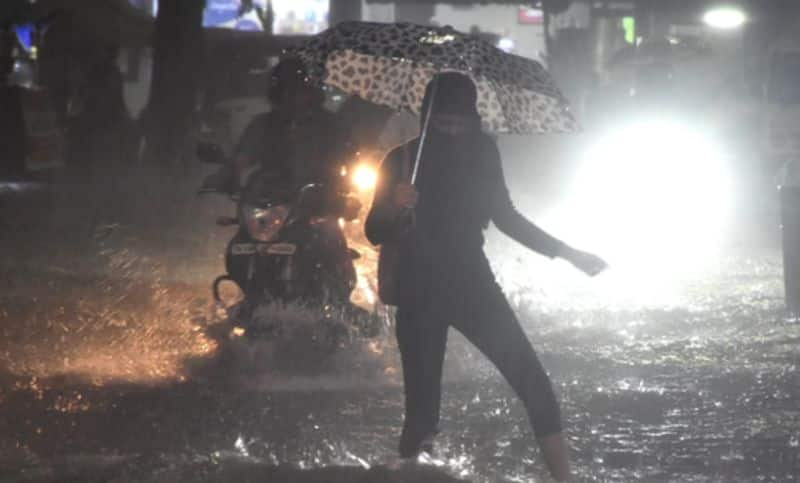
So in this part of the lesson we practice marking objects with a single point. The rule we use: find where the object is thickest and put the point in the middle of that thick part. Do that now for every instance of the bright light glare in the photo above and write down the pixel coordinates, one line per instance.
(365, 177)
(725, 18)
(653, 199)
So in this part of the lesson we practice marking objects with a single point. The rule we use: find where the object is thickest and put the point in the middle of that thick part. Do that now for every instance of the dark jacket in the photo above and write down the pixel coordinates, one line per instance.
(462, 189)
(304, 149)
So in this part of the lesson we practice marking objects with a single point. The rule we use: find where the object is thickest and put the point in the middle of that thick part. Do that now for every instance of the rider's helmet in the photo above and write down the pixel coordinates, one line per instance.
(289, 81)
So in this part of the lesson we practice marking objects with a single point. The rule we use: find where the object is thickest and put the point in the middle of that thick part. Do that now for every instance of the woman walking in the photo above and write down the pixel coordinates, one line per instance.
(444, 278)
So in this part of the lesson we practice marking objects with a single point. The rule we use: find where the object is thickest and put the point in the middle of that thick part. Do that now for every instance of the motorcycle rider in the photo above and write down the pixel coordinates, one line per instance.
(297, 139)
(297, 143)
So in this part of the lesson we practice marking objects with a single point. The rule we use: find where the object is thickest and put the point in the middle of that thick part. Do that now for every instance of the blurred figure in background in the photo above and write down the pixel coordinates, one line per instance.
(13, 135)
(100, 128)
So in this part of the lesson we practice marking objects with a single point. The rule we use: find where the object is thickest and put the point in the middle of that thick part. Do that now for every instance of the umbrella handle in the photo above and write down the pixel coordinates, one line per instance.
(424, 133)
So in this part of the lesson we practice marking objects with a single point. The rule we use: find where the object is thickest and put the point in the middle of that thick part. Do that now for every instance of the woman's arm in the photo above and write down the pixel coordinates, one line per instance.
(508, 220)
(506, 217)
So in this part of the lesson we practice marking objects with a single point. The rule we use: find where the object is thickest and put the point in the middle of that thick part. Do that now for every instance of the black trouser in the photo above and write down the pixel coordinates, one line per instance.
(475, 305)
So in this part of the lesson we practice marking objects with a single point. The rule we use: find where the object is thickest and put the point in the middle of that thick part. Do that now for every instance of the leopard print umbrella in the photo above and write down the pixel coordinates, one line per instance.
(390, 64)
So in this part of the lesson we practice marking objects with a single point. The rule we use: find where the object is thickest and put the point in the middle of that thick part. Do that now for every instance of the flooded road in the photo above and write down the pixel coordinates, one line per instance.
(120, 373)
(702, 392)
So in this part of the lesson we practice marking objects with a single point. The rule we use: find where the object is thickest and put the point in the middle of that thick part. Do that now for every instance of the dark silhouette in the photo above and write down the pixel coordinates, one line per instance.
(101, 132)
(444, 278)
(12, 131)
(177, 59)
(298, 139)
(13, 135)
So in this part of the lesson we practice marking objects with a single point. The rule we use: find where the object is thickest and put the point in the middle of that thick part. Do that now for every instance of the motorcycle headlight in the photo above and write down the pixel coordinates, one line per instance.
(264, 224)
(365, 177)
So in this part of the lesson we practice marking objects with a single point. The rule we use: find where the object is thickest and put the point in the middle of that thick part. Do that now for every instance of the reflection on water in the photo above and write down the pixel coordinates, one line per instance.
(703, 390)
(365, 292)
(102, 330)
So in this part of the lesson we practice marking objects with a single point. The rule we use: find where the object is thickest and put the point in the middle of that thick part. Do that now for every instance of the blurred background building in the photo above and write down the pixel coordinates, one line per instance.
(744, 57)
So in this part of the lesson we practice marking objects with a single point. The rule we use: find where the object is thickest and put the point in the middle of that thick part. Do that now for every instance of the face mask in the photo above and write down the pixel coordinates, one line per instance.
(452, 124)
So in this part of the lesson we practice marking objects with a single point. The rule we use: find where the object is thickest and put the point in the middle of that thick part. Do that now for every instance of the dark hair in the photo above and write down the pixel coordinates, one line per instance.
(455, 93)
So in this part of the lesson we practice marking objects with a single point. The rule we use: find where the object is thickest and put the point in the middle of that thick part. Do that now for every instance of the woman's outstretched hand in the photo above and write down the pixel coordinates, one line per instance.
(588, 263)
(405, 196)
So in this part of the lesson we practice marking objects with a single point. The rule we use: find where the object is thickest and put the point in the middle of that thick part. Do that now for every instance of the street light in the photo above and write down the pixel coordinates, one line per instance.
(725, 18)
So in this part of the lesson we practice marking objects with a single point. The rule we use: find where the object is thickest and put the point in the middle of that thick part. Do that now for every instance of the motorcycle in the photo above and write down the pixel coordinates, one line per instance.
(288, 249)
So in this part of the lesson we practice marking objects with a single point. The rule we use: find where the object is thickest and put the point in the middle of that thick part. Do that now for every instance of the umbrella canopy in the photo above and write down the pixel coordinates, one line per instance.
(391, 64)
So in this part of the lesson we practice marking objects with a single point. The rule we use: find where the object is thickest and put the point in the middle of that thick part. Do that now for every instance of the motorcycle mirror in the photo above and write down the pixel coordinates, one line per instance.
(210, 153)
(227, 221)
(308, 188)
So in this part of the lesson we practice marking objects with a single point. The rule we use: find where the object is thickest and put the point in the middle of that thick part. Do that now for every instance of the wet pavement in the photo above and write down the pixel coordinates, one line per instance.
(113, 368)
